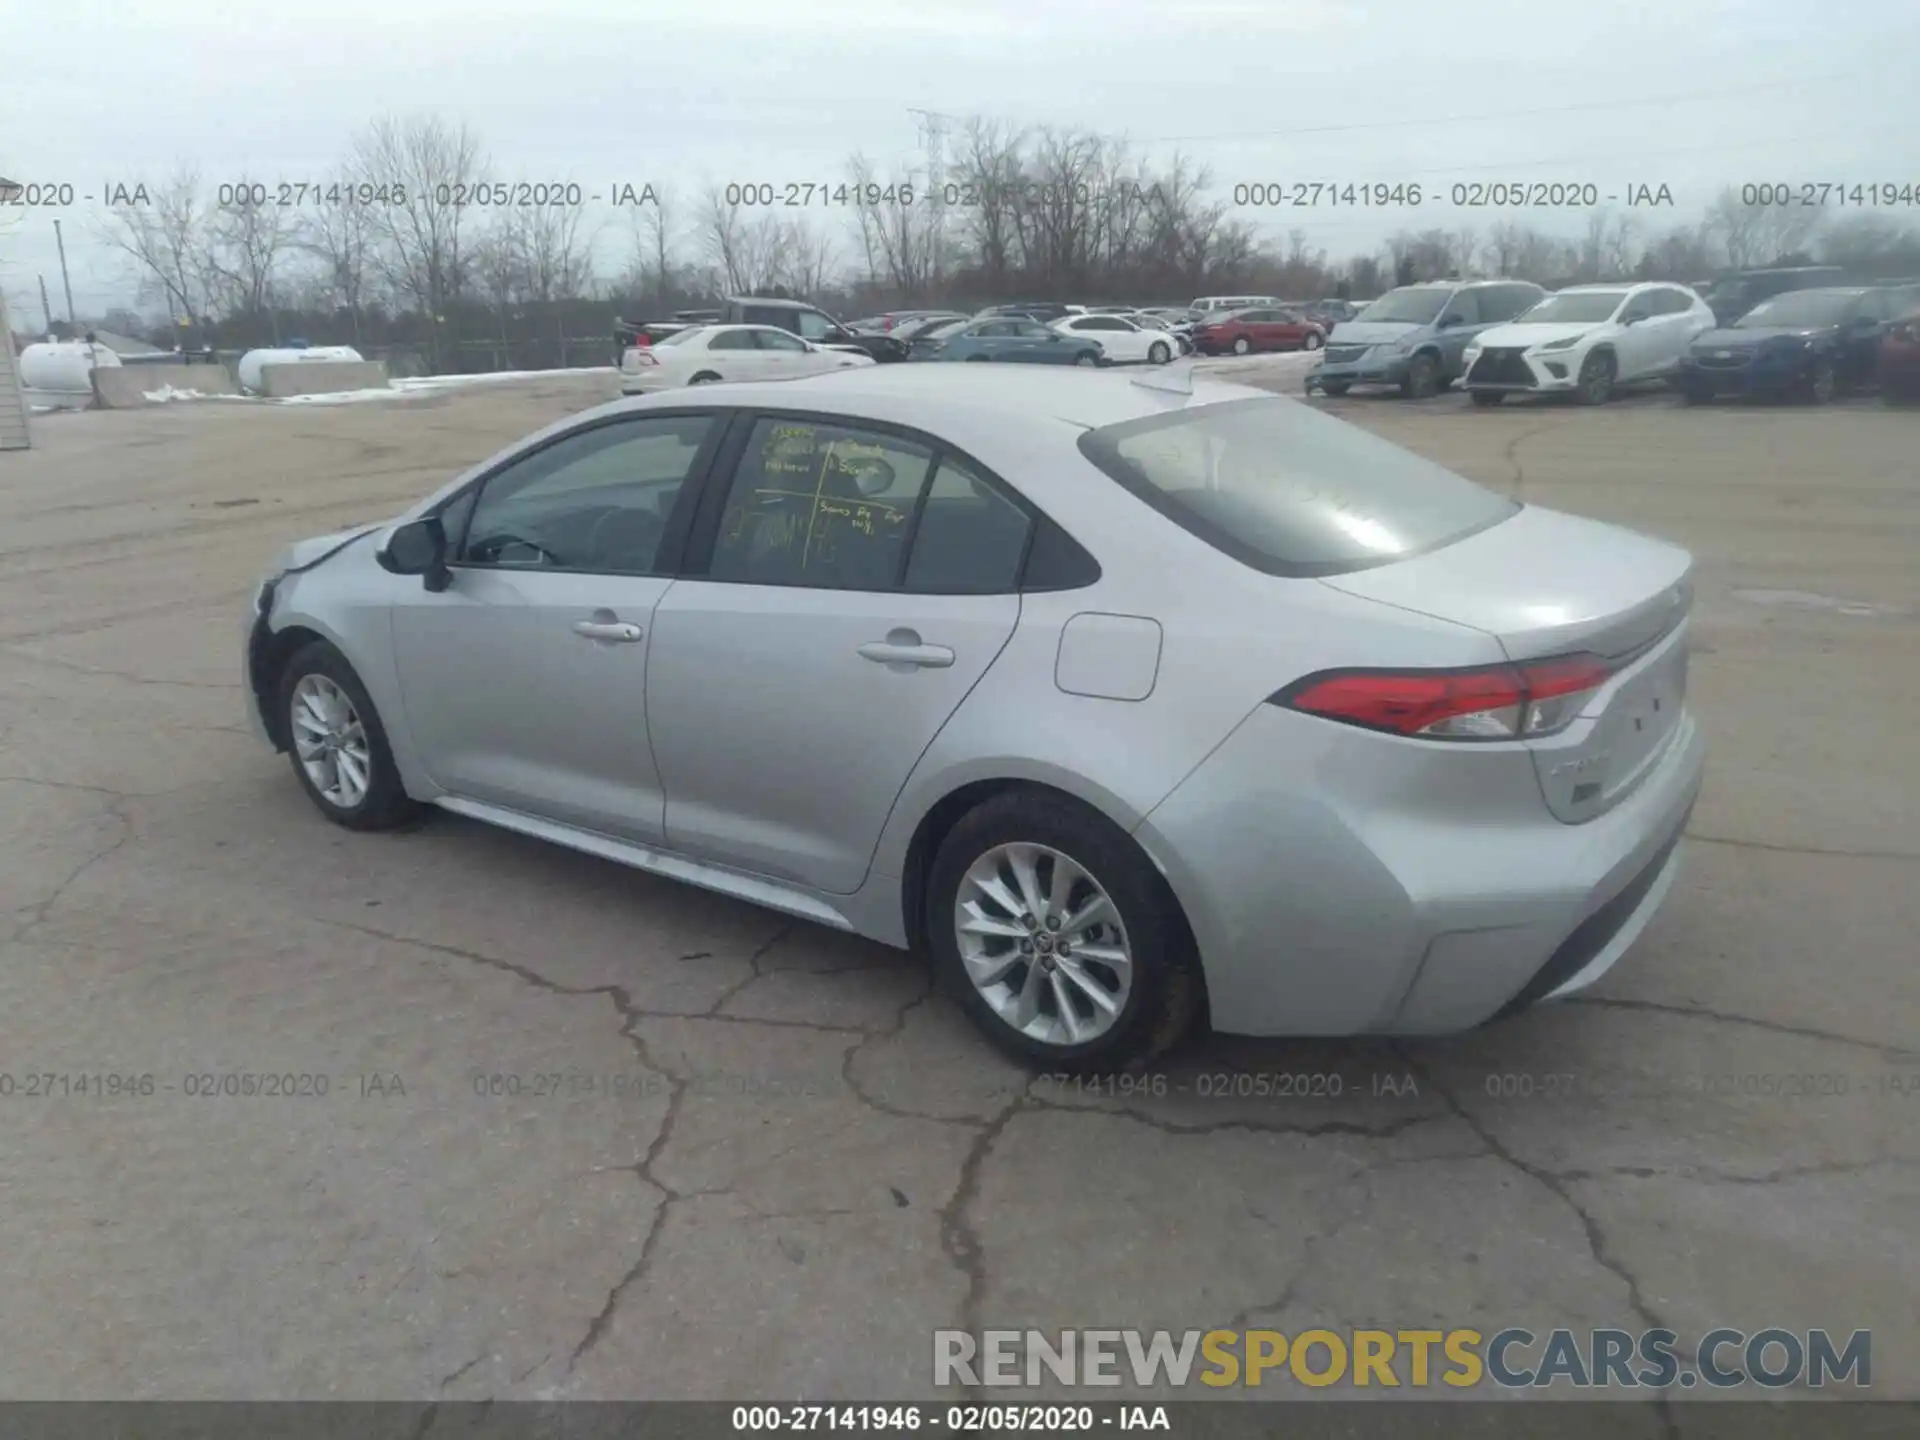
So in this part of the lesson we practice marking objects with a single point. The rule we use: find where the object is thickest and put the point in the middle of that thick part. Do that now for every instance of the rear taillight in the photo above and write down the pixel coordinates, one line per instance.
(639, 356)
(1501, 702)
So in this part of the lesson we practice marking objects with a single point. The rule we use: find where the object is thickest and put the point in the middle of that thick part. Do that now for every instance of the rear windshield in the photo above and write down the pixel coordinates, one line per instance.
(1290, 491)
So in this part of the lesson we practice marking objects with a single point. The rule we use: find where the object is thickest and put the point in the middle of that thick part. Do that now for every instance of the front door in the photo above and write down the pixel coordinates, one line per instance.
(524, 681)
(793, 687)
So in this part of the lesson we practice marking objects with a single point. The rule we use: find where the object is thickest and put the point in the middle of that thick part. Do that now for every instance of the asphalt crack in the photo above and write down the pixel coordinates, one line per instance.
(1751, 1022)
(1774, 849)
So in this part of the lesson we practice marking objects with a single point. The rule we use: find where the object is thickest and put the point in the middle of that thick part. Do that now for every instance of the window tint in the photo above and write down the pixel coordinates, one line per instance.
(1465, 304)
(819, 504)
(971, 538)
(1504, 302)
(1032, 330)
(1672, 302)
(994, 329)
(597, 500)
(732, 340)
(764, 315)
(812, 325)
(1289, 490)
(778, 340)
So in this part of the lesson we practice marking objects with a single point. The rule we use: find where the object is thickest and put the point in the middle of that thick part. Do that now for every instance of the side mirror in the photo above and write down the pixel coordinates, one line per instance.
(418, 548)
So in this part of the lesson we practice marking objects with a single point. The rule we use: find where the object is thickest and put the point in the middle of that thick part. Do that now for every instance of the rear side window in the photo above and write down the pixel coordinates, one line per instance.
(1289, 491)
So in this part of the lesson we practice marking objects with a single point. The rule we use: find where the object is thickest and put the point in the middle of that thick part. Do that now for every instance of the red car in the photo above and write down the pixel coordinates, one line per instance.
(1245, 331)
(1900, 360)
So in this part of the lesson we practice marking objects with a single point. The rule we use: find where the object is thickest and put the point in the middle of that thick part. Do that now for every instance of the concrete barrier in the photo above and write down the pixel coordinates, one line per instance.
(322, 377)
(125, 387)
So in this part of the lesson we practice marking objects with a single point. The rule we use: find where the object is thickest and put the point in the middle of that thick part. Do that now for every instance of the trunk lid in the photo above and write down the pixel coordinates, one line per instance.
(1546, 584)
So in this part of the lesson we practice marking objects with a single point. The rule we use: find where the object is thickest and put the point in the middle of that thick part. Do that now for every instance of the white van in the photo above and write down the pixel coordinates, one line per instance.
(1207, 304)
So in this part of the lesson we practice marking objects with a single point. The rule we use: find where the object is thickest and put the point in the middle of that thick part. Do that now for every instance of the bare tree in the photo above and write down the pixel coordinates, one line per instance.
(419, 173)
(556, 256)
(169, 241)
(1759, 234)
(249, 243)
(338, 235)
(895, 226)
(809, 259)
(655, 224)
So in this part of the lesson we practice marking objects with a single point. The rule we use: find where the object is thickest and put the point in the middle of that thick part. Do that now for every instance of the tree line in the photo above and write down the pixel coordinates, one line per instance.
(388, 255)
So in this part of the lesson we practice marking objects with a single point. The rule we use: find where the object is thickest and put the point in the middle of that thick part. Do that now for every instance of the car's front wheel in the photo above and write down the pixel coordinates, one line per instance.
(336, 742)
(1158, 353)
(1086, 357)
(1313, 341)
(1487, 397)
(1423, 378)
(1595, 385)
(1059, 937)
(1242, 345)
(1824, 383)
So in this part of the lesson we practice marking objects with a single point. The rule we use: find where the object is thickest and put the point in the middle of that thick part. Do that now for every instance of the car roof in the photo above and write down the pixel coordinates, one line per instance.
(776, 304)
(962, 399)
(1825, 290)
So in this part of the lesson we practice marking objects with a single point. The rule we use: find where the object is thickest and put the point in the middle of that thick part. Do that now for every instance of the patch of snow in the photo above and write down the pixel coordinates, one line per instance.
(439, 382)
(343, 397)
(167, 393)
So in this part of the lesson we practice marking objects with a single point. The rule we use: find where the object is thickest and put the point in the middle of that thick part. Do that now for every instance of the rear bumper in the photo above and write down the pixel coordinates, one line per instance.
(1357, 888)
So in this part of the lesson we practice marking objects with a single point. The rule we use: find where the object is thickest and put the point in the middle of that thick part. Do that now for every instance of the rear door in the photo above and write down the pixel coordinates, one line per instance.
(1860, 337)
(848, 585)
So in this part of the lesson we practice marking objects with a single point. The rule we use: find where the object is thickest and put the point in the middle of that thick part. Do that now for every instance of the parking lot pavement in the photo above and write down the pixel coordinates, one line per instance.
(772, 1163)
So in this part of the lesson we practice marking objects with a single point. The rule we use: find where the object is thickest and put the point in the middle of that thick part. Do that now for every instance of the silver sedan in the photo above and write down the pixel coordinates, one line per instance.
(1134, 703)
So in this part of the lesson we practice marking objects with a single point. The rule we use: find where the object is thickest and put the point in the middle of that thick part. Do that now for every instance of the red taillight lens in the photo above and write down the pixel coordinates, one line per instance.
(1502, 702)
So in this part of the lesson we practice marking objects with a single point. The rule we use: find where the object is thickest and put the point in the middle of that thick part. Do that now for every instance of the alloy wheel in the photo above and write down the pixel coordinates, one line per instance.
(1043, 944)
(331, 740)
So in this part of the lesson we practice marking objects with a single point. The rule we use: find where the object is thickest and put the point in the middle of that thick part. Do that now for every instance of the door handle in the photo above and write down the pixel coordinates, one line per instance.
(616, 632)
(903, 650)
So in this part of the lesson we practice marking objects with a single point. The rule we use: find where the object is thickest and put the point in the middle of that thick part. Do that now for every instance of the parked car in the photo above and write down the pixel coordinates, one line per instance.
(1044, 310)
(1416, 337)
(1011, 337)
(926, 341)
(1900, 360)
(1813, 343)
(1587, 341)
(1027, 672)
(1241, 332)
(1731, 295)
(811, 324)
(1208, 305)
(1120, 339)
(708, 353)
(1327, 313)
(908, 331)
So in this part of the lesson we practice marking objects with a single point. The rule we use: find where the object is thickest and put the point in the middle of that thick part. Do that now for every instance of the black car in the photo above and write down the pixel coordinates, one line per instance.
(809, 322)
(1815, 343)
(1731, 296)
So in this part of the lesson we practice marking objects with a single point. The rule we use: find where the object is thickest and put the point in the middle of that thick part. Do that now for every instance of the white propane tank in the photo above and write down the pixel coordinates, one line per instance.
(251, 363)
(63, 368)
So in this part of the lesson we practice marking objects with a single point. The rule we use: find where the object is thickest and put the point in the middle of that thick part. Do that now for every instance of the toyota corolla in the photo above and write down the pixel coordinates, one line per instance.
(1134, 704)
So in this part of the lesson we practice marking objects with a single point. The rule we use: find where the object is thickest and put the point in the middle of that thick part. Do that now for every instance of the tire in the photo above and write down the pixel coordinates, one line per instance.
(705, 377)
(1242, 345)
(1335, 388)
(1695, 395)
(976, 359)
(1823, 384)
(1086, 357)
(1162, 1001)
(316, 679)
(1158, 353)
(1595, 385)
(1485, 398)
(1313, 341)
(1423, 378)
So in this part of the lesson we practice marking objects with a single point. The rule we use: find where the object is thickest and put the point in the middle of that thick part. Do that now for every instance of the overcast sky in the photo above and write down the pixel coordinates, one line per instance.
(1695, 94)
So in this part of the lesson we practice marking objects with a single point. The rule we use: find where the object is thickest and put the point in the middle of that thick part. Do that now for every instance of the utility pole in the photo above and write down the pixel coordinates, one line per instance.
(933, 131)
(65, 279)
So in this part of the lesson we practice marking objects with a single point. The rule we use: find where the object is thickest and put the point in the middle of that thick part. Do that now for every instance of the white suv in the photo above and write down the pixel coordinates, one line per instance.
(1587, 340)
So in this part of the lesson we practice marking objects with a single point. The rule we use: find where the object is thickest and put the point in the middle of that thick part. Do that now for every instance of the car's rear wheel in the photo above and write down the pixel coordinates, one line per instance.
(1313, 341)
(1487, 397)
(1595, 386)
(1059, 937)
(1242, 345)
(1423, 378)
(1334, 387)
(1158, 353)
(705, 377)
(336, 742)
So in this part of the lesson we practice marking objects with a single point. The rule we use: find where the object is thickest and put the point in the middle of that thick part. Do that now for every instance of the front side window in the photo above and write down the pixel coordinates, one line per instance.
(812, 325)
(821, 504)
(596, 501)
(779, 340)
(1288, 490)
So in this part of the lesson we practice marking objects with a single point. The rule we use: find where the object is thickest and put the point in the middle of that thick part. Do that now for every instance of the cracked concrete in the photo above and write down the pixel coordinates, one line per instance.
(559, 1129)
